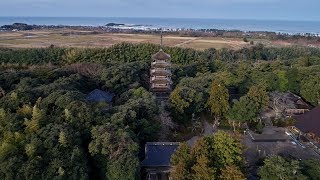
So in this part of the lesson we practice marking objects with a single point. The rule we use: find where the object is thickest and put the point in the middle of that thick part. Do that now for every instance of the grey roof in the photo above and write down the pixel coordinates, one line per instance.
(158, 154)
(161, 55)
(309, 122)
(100, 96)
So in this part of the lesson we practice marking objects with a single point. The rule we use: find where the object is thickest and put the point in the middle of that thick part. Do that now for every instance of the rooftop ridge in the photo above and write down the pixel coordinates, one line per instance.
(162, 143)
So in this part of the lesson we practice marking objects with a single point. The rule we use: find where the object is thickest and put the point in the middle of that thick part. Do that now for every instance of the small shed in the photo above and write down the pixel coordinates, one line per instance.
(156, 165)
(98, 96)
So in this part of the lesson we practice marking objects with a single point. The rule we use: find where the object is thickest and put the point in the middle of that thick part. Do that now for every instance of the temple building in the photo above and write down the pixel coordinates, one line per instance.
(156, 165)
(308, 126)
(160, 74)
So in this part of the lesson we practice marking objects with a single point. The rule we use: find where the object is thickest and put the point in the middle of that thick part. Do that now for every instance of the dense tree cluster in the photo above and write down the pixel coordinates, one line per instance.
(249, 106)
(278, 168)
(49, 130)
(248, 84)
(125, 52)
(212, 157)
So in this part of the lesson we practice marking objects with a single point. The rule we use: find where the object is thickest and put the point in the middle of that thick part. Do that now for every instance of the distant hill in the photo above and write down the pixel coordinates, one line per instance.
(18, 26)
(114, 24)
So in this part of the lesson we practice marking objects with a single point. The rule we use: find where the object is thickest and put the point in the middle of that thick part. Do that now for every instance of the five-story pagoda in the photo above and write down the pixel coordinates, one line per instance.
(160, 74)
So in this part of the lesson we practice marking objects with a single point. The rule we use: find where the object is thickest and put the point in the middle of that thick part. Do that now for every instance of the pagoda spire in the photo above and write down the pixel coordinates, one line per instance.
(161, 41)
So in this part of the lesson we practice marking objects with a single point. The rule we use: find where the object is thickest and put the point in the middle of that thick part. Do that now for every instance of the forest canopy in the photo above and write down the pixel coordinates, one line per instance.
(49, 130)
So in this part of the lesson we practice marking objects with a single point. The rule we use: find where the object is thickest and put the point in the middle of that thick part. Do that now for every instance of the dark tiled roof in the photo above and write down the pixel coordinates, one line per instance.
(309, 122)
(161, 55)
(100, 96)
(158, 154)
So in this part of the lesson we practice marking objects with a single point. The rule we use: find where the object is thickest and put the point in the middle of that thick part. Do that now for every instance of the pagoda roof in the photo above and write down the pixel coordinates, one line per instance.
(161, 55)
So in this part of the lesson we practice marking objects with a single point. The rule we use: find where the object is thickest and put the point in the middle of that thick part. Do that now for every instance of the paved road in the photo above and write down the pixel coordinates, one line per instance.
(208, 130)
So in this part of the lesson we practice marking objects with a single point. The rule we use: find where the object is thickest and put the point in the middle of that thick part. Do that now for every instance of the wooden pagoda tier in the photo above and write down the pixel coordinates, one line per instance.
(160, 88)
(160, 63)
(161, 80)
(160, 74)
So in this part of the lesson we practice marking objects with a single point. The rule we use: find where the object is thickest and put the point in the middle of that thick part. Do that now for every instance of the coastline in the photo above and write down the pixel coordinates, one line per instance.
(114, 27)
(175, 24)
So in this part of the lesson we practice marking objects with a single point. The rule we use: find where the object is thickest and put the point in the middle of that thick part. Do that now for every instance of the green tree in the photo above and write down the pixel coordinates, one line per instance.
(63, 139)
(71, 55)
(227, 150)
(34, 124)
(276, 167)
(182, 162)
(231, 173)
(249, 106)
(311, 168)
(293, 80)
(310, 89)
(259, 96)
(208, 157)
(242, 111)
(201, 169)
(282, 81)
(180, 171)
(218, 101)
(116, 150)
(180, 100)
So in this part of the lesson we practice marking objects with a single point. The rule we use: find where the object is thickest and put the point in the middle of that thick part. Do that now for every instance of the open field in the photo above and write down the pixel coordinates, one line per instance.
(72, 38)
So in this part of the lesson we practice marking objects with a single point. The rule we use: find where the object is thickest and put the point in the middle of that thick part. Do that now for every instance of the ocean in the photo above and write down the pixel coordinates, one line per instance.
(281, 26)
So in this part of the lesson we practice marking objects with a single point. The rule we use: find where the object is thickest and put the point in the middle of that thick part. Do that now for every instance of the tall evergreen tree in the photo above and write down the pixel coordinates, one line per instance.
(201, 170)
(231, 173)
(218, 101)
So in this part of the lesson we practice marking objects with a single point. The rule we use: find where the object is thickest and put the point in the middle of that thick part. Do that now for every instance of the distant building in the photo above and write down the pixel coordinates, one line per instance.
(156, 165)
(99, 96)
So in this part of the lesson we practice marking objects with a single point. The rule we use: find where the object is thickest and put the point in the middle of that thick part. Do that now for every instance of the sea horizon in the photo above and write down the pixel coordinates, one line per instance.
(278, 26)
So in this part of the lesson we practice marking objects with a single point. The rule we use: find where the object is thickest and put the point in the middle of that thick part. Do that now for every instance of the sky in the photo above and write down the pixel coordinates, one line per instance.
(221, 9)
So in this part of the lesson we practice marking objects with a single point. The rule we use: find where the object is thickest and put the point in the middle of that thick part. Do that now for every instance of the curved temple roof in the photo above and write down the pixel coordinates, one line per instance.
(158, 154)
(100, 96)
(161, 55)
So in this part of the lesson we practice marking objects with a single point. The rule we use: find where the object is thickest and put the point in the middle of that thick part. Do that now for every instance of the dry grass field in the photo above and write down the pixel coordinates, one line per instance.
(72, 38)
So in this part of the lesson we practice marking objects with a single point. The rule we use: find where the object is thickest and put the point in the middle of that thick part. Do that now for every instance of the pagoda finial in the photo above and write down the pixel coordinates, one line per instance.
(161, 40)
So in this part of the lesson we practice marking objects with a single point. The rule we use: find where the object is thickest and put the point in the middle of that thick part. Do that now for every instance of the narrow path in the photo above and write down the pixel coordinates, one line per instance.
(209, 129)
(165, 120)
(186, 42)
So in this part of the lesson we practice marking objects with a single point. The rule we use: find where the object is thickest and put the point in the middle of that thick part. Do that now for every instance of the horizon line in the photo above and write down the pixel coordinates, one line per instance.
(294, 20)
